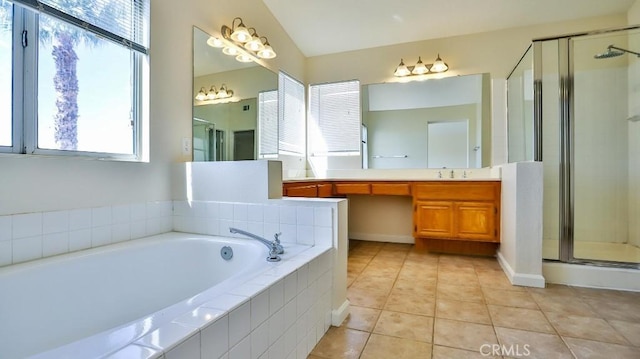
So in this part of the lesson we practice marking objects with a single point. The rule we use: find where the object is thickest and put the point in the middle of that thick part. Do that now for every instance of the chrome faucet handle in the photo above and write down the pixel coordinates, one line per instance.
(273, 253)
(276, 241)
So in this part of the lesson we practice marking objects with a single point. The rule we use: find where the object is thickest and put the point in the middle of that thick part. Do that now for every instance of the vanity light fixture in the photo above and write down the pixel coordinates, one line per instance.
(421, 68)
(242, 42)
(212, 94)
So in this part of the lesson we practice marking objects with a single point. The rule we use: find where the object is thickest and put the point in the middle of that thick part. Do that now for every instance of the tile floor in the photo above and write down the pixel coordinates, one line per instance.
(409, 304)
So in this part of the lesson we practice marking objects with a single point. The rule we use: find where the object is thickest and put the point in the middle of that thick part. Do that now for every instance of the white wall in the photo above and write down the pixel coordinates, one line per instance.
(520, 253)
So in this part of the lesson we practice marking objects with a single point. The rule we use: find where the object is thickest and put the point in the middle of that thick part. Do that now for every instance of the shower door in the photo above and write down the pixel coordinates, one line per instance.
(605, 146)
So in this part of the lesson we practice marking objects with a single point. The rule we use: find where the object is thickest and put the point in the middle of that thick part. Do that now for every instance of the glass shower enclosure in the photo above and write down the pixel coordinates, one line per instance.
(574, 104)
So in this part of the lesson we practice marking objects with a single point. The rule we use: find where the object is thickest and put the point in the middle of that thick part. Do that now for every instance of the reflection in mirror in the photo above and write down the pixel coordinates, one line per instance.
(226, 129)
(428, 124)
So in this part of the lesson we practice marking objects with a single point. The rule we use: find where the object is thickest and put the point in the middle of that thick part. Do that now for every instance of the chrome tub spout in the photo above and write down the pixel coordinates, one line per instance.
(274, 246)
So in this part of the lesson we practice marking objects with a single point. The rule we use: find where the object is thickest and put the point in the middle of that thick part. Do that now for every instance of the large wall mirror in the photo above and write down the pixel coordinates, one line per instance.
(428, 124)
(225, 128)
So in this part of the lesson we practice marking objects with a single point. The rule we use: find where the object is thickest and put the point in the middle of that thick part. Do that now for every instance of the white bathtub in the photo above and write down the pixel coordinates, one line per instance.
(91, 303)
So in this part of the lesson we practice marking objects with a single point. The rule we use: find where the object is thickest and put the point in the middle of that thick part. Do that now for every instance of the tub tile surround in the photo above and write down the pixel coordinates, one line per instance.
(298, 221)
(30, 236)
(285, 317)
(280, 313)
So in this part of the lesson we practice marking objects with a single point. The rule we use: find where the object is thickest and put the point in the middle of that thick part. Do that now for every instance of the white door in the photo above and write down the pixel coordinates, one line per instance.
(448, 144)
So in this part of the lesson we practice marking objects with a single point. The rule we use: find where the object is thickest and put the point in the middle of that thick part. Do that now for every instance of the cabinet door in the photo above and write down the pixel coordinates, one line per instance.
(434, 219)
(476, 221)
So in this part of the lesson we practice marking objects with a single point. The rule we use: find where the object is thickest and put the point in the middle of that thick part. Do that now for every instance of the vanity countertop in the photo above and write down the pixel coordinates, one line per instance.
(473, 174)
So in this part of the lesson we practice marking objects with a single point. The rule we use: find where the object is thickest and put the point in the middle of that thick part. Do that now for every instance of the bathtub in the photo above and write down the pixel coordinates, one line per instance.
(91, 303)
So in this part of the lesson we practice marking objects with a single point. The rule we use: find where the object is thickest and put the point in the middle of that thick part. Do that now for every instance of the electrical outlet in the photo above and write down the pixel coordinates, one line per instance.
(186, 146)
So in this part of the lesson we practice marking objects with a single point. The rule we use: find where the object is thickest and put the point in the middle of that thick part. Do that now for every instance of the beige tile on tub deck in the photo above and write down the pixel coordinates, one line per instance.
(385, 347)
(341, 343)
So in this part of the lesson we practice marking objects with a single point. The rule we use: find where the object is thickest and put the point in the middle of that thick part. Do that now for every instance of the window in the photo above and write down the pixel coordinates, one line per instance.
(6, 54)
(268, 123)
(77, 76)
(291, 117)
(334, 119)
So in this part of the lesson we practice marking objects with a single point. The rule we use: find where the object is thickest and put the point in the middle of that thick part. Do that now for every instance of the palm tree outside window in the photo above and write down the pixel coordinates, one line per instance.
(81, 67)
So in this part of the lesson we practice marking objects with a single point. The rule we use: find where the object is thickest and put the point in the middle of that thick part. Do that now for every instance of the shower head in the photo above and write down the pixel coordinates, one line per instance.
(613, 51)
(608, 54)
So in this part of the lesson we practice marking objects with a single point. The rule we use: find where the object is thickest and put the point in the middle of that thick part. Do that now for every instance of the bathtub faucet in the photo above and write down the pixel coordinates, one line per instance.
(274, 246)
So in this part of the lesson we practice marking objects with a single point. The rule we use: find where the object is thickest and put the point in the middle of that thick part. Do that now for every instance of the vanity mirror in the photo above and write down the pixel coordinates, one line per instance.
(428, 124)
(225, 127)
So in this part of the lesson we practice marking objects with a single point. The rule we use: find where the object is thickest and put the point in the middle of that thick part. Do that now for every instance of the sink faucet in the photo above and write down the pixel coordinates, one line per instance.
(274, 246)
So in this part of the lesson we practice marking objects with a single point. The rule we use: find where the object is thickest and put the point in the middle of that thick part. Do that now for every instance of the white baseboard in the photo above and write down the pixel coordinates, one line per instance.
(591, 276)
(339, 315)
(521, 279)
(374, 237)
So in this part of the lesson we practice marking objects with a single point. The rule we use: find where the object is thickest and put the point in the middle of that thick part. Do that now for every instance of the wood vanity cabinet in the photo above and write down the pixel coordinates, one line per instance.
(448, 216)
(307, 189)
(466, 211)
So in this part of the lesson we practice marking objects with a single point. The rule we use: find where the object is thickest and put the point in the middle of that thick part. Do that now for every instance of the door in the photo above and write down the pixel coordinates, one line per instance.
(244, 145)
(219, 146)
(448, 144)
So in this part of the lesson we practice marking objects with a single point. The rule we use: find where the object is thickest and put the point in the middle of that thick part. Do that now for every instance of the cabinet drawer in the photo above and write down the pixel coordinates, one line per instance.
(393, 189)
(352, 188)
(325, 190)
(478, 191)
(302, 191)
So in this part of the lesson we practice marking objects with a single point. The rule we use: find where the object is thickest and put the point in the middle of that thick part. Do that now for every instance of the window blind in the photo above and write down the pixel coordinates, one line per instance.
(268, 123)
(334, 118)
(122, 21)
(291, 109)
